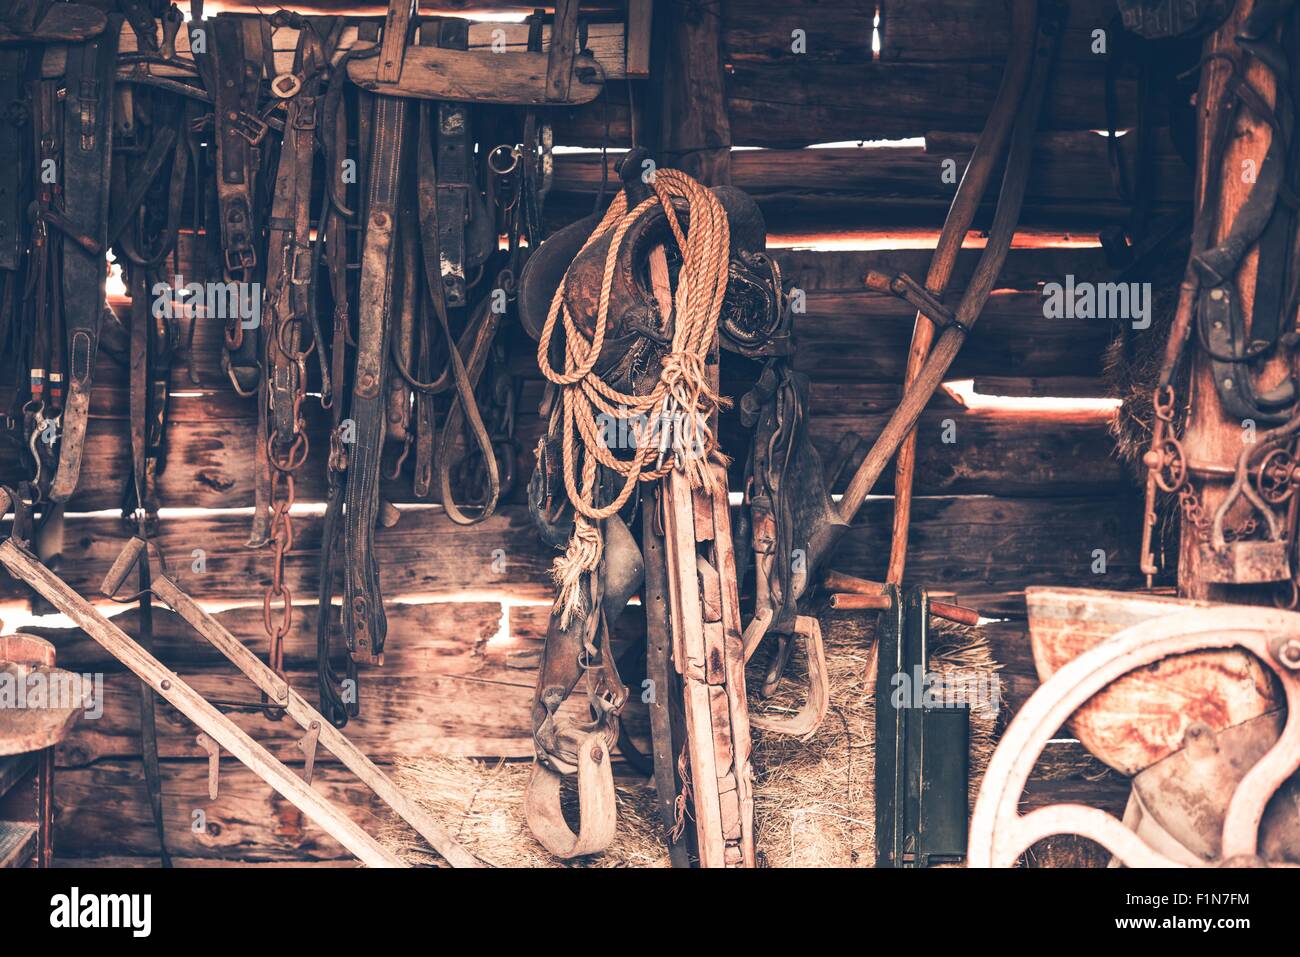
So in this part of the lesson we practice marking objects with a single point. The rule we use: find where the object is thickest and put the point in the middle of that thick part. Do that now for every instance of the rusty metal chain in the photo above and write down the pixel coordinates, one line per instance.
(286, 454)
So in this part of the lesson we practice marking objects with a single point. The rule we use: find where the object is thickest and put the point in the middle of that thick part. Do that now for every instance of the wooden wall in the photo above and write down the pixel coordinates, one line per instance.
(1023, 496)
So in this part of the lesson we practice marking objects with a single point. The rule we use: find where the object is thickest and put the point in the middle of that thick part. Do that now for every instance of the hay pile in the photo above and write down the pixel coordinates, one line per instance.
(482, 804)
(814, 804)
(814, 800)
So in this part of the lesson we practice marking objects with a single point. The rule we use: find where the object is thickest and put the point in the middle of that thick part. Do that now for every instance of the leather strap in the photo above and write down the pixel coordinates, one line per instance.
(483, 323)
(15, 115)
(140, 400)
(364, 621)
(87, 154)
(232, 69)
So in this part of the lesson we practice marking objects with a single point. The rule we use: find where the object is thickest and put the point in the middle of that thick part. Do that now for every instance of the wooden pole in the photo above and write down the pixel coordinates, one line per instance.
(194, 706)
(974, 182)
(693, 130)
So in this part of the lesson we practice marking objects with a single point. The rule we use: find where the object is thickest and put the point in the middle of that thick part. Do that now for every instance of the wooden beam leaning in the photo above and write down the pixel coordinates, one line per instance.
(988, 150)
(1001, 231)
(297, 707)
(393, 45)
(194, 706)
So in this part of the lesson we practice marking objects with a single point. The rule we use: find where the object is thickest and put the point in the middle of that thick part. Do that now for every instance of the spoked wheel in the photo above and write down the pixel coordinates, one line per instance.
(1000, 834)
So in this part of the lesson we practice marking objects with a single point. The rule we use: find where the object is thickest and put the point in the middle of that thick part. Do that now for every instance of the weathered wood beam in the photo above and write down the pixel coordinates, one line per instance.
(974, 544)
(689, 100)
(1212, 437)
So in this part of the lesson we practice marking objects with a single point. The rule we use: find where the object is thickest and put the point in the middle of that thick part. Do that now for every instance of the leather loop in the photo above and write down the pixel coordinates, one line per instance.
(596, 803)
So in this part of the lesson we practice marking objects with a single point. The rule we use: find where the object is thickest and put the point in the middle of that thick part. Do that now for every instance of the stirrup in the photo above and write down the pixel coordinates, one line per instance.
(595, 802)
(808, 718)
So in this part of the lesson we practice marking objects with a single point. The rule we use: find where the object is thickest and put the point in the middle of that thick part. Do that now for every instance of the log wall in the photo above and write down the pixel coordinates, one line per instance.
(1024, 495)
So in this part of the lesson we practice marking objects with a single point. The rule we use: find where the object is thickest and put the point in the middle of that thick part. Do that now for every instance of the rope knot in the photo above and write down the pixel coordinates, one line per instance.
(688, 406)
(581, 558)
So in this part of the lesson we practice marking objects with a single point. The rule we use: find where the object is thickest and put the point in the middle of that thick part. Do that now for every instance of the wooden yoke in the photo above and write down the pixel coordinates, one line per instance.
(562, 77)
(1213, 439)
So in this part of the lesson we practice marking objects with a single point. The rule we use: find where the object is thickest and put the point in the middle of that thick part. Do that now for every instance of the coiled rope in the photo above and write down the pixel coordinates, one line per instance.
(682, 399)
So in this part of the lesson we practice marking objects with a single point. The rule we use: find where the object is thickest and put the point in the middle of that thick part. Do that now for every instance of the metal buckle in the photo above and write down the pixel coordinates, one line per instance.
(250, 127)
(300, 265)
(240, 258)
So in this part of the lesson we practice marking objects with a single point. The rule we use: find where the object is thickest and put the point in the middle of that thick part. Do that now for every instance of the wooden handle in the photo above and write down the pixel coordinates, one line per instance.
(940, 609)
(853, 601)
(121, 567)
(840, 582)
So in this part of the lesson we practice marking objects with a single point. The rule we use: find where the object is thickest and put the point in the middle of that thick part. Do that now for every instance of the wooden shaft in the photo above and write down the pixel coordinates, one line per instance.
(195, 707)
(298, 708)
(392, 45)
(834, 581)
(855, 601)
(988, 149)
(1001, 232)
(564, 45)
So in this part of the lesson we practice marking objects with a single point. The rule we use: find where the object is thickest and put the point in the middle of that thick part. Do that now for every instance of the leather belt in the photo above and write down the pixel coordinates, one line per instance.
(87, 151)
(364, 622)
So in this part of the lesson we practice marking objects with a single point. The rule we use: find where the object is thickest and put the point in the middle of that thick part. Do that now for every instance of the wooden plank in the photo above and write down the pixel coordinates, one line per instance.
(13, 768)
(103, 809)
(482, 76)
(450, 683)
(449, 638)
(966, 451)
(865, 336)
(1053, 387)
(17, 844)
(845, 270)
(835, 89)
(1070, 181)
(640, 15)
(604, 42)
(424, 554)
(975, 544)
(403, 716)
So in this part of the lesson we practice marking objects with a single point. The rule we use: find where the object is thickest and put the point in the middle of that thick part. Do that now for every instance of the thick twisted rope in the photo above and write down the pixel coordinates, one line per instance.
(682, 399)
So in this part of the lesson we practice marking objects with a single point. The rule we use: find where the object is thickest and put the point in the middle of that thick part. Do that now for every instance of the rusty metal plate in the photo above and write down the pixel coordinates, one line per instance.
(1143, 717)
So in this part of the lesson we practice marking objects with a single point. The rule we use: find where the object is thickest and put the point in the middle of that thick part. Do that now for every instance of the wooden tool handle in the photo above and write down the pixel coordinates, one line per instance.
(854, 601)
(121, 567)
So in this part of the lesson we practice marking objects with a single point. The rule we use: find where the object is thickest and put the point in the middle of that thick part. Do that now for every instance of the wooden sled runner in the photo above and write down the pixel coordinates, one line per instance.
(23, 565)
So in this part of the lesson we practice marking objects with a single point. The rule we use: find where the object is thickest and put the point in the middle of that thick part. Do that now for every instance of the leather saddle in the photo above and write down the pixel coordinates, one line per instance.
(754, 322)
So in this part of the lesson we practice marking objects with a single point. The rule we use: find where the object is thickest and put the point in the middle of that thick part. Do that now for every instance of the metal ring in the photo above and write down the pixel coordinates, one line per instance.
(512, 151)
(294, 84)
